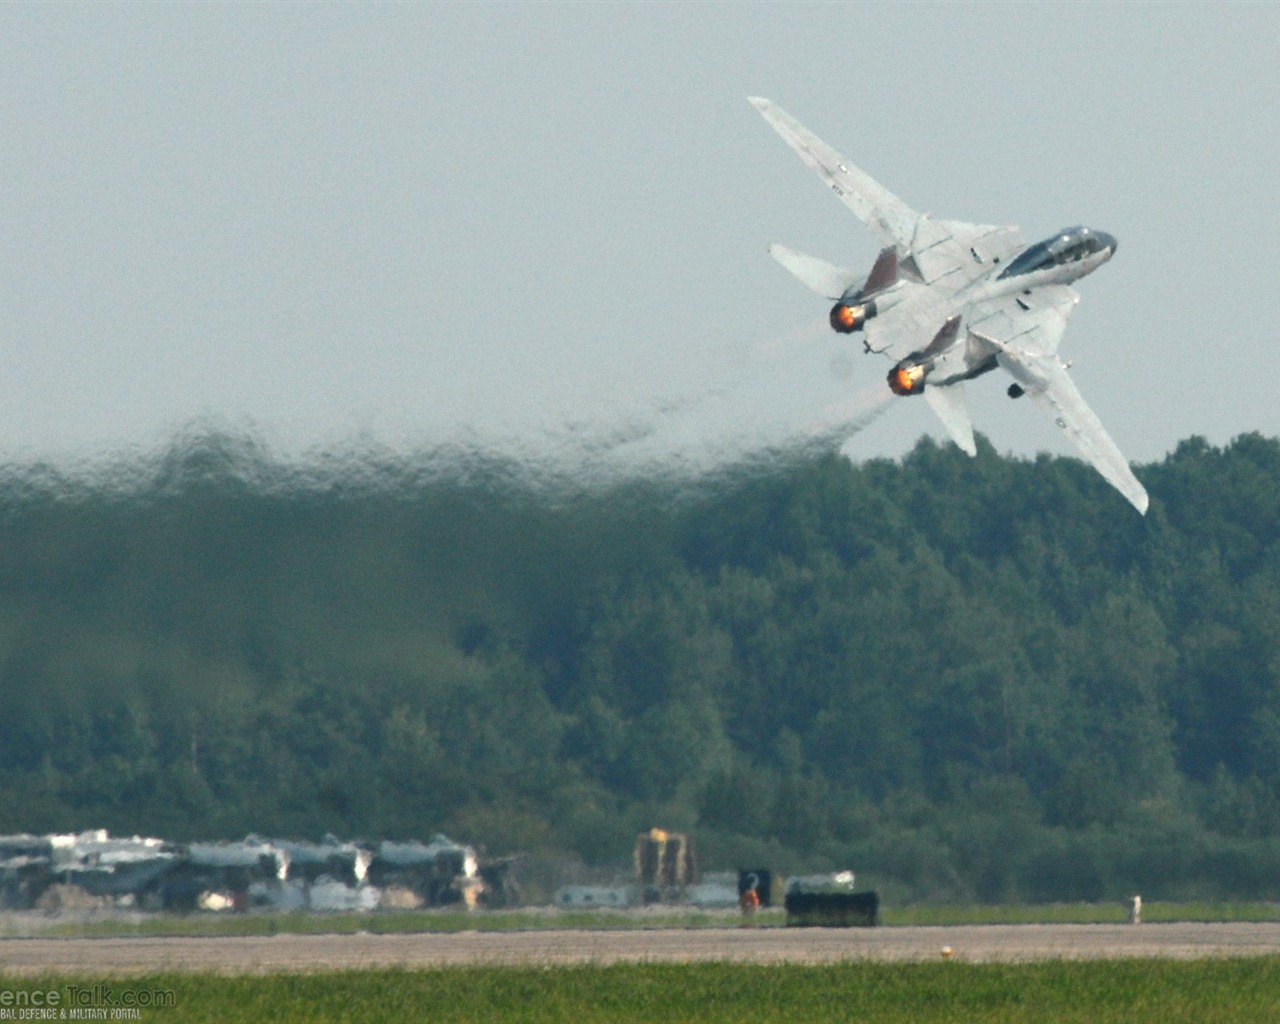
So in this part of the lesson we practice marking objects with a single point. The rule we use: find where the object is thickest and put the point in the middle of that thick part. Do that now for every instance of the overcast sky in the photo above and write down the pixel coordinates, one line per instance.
(407, 222)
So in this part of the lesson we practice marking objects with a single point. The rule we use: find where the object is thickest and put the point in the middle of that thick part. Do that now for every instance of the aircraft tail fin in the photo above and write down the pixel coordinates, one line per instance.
(884, 273)
(827, 280)
(945, 337)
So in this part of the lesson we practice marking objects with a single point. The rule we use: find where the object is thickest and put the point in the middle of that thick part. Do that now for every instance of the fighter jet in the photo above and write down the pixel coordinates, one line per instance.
(949, 301)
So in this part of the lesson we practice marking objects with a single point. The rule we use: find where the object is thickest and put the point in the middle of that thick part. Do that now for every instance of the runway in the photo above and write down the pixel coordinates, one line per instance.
(117, 957)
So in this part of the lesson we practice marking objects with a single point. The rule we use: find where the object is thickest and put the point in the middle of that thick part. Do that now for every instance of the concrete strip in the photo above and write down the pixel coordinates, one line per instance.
(114, 957)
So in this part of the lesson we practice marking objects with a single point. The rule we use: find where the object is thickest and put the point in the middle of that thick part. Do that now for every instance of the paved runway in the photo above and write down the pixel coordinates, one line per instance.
(115, 957)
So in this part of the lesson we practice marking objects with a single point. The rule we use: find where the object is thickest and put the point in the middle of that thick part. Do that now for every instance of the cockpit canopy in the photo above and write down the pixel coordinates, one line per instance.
(1067, 246)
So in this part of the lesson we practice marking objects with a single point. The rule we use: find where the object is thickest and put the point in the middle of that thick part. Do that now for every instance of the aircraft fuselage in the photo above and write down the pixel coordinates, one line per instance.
(1059, 260)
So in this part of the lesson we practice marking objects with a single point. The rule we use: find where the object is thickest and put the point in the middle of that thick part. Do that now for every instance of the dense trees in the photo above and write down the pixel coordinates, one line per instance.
(974, 678)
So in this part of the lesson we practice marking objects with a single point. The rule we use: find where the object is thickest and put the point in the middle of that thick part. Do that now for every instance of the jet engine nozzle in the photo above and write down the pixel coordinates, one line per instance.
(846, 318)
(907, 377)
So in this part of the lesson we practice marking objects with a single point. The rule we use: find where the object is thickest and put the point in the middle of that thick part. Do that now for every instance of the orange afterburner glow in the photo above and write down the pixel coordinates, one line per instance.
(907, 379)
(847, 319)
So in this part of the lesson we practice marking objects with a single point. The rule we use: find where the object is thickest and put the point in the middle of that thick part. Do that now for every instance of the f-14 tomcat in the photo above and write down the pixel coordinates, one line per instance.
(949, 301)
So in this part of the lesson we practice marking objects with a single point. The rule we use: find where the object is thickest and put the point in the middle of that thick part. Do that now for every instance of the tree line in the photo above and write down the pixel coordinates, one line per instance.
(965, 678)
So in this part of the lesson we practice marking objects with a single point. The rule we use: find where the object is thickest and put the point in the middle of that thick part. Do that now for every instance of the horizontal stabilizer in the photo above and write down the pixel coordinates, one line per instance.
(948, 402)
(827, 280)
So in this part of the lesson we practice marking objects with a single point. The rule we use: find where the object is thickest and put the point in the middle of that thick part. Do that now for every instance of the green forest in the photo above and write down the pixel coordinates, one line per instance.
(968, 679)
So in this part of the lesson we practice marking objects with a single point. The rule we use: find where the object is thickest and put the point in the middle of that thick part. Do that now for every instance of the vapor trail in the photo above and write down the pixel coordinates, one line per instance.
(793, 398)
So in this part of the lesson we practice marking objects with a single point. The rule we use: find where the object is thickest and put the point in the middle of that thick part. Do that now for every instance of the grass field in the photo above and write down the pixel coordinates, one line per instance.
(391, 922)
(1239, 991)
(1076, 913)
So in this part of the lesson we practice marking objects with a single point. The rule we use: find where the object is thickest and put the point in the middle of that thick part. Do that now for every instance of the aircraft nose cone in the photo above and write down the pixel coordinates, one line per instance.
(1109, 241)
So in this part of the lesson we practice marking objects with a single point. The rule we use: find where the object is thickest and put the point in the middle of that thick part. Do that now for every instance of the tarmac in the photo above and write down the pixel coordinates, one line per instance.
(287, 953)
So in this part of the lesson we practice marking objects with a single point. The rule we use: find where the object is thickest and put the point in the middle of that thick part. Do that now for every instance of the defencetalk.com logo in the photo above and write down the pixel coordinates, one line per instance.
(82, 1002)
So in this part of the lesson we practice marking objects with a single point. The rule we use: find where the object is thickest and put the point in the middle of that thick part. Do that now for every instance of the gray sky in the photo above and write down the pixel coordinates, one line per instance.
(401, 223)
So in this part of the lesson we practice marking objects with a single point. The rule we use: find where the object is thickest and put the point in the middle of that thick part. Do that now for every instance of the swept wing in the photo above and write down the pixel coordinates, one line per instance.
(1030, 357)
(1059, 398)
(885, 214)
(946, 253)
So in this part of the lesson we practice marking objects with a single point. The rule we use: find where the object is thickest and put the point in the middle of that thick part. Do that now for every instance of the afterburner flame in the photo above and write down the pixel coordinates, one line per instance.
(847, 319)
(907, 379)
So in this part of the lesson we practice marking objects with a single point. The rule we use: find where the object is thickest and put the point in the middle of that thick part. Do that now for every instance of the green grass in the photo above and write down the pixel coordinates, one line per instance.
(1239, 991)
(1075, 913)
